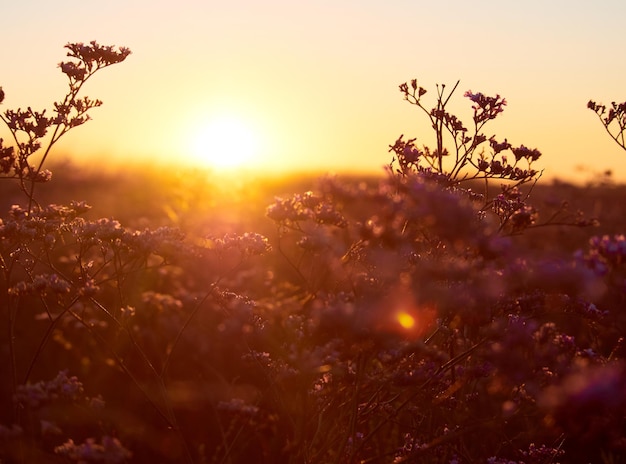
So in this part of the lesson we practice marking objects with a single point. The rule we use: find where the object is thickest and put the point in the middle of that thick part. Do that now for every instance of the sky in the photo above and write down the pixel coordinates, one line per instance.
(313, 86)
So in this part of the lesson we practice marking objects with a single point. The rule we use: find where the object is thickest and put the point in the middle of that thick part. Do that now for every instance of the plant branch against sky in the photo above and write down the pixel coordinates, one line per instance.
(313, 84)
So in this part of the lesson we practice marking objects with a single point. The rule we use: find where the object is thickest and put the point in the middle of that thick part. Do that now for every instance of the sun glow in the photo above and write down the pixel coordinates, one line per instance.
(226, 142)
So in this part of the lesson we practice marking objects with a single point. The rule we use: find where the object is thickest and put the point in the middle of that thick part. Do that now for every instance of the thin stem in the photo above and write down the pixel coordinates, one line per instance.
(46, 337)
(193, 313)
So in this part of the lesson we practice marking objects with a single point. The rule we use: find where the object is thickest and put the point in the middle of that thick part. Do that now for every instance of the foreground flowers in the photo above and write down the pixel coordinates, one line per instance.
(392, 319)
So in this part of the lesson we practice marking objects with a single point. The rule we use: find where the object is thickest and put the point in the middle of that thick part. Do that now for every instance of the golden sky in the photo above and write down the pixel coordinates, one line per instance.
(316, 83)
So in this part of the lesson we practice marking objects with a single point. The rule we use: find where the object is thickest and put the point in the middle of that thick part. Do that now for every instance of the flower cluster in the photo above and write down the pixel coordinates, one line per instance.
(34, 123)
(594, 393)
(249, 244)
(162, 241)
(606, 257)
(606, 252)
(302, 207)
(391, 318)
(46, 224)
(42, 284)
(61, 387)
(415, 93)
(465, 157)
(409, 156)
(542, 453)
(161, 302)
(7, 158)
(501, 169)
(29, 127)
(485, 107)
(527, 153)
(615, 117)
(91, 57)
(514, 212)
(108, 451)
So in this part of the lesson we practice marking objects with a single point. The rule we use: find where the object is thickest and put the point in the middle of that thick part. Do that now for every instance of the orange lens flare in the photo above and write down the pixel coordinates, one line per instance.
(406, 320)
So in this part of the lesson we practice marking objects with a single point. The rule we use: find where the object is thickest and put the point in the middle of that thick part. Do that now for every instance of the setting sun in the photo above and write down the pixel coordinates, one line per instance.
(225, 142)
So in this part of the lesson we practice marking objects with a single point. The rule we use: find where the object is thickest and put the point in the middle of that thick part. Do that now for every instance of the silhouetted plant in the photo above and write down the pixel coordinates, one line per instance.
(466, 155)
(29, 128)
(93, 295)
(471, 154)
(387, 320)
(614, 121)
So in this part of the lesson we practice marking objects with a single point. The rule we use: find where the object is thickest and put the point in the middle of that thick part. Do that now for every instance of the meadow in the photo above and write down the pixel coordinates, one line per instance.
(456, 308)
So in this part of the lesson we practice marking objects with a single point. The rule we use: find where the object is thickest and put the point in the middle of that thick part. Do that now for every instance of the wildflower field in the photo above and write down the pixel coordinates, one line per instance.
(455, 308)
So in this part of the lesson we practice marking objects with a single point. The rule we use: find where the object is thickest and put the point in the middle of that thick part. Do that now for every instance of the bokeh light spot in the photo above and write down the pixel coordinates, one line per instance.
(406, 320)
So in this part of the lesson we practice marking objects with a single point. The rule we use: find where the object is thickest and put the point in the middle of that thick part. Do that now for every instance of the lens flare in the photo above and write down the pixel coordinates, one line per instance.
(405, 320)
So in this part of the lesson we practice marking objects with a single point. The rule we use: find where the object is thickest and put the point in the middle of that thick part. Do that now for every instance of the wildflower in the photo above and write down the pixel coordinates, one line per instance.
(109, 451)
(88, 287)
(7, 158)
(411, 154)
(617, 115)
(42, 284)
(40, 176)
(542, 453)
(483, 165)
(161, 302)
(326, 213)
(248, 244)
(238, 406)
(523, 218)
(595, 107)
(91, 58)
(126, 313)
(499, 146)
(485, 107)
(74, 71)
(287, 211)
(314, 242)
(62, 386)
(416, 93)
(523, 152)
(496, 460)
(589, 405)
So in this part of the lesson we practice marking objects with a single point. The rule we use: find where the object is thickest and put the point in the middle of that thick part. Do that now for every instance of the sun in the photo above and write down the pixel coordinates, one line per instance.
(226, 142)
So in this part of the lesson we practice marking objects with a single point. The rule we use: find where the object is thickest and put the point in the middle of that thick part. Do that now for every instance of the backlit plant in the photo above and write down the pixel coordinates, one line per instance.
(472, 154)
(394, 319)
(465, 156)
(614, 121)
